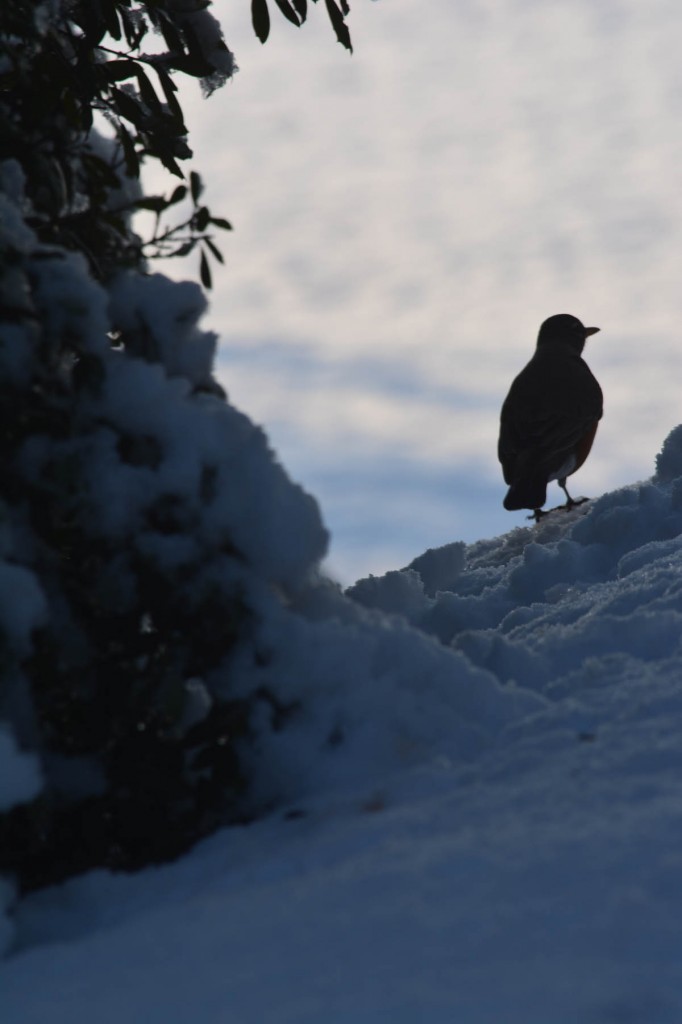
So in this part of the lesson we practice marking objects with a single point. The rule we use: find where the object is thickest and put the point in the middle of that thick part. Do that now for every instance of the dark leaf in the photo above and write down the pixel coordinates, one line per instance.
(129, 153)
(110, 15)
(181, 150)
(148, 92)
(205, 271)
(91, 22)
(167, 150)
(155, 203)
(339, 25)
(127, 107)
(196, 185)
(178, 195)
(302, 8)
(215, 250)
(288, 11)
(220, 222)
(171, 164)
(192, 64)
(170, 88)
(201, 218)
(118, 70)
(170, 34)
(260, 17)
(345, 7)
(185, 248)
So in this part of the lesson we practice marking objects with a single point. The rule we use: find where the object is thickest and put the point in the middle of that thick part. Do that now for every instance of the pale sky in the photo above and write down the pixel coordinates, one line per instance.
(404, 220)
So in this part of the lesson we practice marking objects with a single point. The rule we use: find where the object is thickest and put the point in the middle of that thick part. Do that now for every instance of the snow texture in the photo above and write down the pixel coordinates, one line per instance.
(491, 830)
(206, 30)
(155, 465)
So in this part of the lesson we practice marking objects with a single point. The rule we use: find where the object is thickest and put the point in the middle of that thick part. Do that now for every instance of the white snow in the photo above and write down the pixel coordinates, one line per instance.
(492, 834)
(163, 315)
(254, 506)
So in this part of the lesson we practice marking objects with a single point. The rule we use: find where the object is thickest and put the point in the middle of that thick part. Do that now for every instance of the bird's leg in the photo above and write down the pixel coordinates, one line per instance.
(537, 514)
(570, 502)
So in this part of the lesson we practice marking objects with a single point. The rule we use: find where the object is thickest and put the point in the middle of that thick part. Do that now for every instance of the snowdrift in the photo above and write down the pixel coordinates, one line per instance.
(597, 583)
(478, 804)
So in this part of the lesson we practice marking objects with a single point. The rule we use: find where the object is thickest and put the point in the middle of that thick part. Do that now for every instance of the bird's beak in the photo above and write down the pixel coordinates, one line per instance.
(591, 330)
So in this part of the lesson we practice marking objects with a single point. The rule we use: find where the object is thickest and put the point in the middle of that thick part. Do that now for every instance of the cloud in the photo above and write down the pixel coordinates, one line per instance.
(415, 211)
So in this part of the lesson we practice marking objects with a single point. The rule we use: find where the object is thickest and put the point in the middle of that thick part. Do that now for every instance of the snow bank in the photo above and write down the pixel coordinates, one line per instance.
(362, 695)
(456, 846)
(533, 606)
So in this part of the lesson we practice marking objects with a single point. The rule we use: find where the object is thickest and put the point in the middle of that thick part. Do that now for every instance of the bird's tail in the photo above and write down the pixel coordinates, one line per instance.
(528, 492)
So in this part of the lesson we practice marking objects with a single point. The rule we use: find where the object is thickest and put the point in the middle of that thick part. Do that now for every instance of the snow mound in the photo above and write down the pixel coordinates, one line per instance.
(363, 695)
(456, 846)
(538, 605)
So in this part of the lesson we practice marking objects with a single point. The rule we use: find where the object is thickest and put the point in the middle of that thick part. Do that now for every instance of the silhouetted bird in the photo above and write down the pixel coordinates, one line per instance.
(550, 416)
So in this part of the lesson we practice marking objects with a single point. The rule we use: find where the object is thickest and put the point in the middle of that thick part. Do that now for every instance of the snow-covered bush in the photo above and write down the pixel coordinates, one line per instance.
(143, 520)
(170, 659)
(139, 508)
(669, 459)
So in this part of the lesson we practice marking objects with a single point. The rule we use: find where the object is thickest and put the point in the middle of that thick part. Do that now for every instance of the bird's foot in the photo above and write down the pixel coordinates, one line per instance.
(570, 502)
(573, 503)
(537, 514)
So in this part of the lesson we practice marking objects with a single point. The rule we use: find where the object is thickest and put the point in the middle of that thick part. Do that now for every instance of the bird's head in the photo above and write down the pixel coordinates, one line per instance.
(564, 329)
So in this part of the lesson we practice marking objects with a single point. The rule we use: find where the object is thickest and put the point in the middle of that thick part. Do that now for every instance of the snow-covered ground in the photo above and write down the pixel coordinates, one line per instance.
(494, 837)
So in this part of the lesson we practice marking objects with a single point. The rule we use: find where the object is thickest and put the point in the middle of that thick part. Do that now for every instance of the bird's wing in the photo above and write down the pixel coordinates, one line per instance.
(545, 415)
(557, 432)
